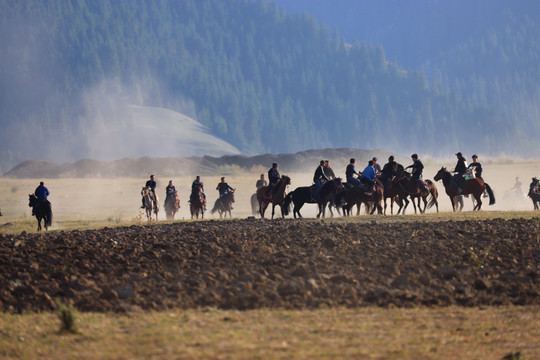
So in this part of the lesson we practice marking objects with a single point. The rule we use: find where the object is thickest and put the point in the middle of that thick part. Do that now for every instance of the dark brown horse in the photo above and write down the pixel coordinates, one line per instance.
(41, 208)
(410, 187)
(277, 197)
(358, 195)
(224, 204)
(196, 206)
(304, 194)
(150, 202)
(534, 193)
(172, 204)
(475, 187)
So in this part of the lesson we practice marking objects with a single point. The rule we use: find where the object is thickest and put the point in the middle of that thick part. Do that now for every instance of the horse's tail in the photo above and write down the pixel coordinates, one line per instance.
(215, 208)
(48, 214)
(288, 200)
(490, 193)
(432, 193)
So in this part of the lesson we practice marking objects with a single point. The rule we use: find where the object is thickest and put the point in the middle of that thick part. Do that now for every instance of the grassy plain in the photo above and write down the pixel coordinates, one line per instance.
(371, 333)
(366, 333)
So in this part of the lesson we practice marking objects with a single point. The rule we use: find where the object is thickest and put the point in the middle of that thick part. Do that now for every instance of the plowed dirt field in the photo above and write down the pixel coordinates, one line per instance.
(252, 263)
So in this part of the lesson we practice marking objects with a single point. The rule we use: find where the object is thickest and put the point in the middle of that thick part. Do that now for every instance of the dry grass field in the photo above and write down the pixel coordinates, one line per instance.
(364, 333)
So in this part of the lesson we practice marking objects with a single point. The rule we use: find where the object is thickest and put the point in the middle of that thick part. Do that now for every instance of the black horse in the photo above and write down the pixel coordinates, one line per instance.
(534, 193)
(302, 195)
(224, 204)
(42, 210)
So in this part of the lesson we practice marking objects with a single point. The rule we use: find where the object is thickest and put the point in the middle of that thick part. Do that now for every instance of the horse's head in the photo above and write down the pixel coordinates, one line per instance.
(286, 180)
(338, 184)
(440, 174)
(32, 200)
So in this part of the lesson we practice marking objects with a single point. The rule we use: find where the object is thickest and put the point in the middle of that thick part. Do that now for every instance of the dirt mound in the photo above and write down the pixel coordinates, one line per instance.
(142, 167)
(248, 264)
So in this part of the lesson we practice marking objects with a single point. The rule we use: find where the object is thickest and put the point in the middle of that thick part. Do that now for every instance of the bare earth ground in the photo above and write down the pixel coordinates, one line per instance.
(334, 270)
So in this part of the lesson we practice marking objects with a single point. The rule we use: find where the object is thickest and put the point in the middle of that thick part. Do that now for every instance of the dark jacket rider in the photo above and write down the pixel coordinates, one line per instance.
(273, 177)
(152, 185)
(223, 187)
(476, 166)
(389, 170)
(417, 169)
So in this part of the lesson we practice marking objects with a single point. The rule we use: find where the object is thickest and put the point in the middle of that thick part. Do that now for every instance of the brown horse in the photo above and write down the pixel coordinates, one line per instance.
(224, 204)
(357, 196)
(475, 187)
(409, 187)
(197, 203)
(172, 204)
(277, 197)
(150, 202)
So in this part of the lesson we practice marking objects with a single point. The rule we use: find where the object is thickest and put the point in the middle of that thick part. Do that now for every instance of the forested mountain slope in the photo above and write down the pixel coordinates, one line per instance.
(256, 76)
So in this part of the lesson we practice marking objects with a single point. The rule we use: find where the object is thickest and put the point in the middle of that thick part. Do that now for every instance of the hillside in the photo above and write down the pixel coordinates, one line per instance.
(171, 166)
(259, 78)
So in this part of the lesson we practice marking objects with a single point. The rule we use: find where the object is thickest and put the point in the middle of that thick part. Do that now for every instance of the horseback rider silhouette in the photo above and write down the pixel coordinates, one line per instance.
(328, 170)
(350, 172)
(41, 193)
(368, 175)
(273, 177)
(417, 168)
(389, 170)
(223, 187)
(170, 190)
(460, 170)
(318, 179)
(376, 166)
(152, 185)
(197, 187)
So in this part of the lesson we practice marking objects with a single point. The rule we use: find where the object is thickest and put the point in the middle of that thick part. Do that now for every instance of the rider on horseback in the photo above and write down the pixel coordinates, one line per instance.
(170, 191)
(318, 179)
(328, 170)
(261, 182)
(460, 170)
(389, 170)
(476, 167)
(273, 177)
(417, 169)
(152, 185)
(350, 172)
(368, 175)
(41, 193)
(376, 166)
(197, 187)
(223, 187)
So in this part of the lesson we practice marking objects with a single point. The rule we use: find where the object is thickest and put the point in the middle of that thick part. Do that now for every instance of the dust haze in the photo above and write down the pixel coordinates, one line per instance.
(118, 200)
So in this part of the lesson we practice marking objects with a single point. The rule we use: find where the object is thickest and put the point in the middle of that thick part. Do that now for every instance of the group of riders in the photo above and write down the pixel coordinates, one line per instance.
(366, 178)
(197, 190)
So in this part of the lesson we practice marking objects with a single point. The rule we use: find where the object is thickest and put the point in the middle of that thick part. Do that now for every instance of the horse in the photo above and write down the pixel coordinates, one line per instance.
(393, 192)
(303, 195)
(150, 202)
(42, 210)
(277, 197)
(224, 204)
(410, 188)
(534, 193)
(254, 204)
(358, 195)
(474, 186)
(197, 205)
(172, 204)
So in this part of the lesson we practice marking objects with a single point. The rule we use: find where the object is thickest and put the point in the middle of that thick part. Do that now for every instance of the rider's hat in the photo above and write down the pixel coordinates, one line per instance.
(475, 156)
(459, 154)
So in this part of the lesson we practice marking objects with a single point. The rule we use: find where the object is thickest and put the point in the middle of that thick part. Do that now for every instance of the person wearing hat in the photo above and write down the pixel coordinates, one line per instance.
(460, 170)
(223, 187)
(476, 167)
(273, 177)
(376, 166)
(417, 169)
(318, 177)
(152, 185)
